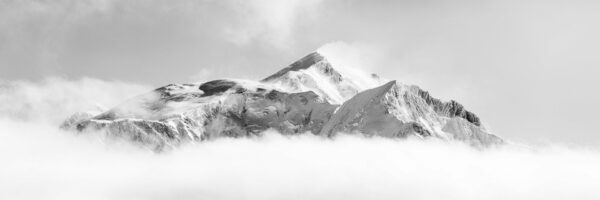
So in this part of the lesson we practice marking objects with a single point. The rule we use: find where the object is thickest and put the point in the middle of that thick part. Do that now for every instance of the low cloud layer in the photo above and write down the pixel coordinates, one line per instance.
(42, 162)
(53, 99)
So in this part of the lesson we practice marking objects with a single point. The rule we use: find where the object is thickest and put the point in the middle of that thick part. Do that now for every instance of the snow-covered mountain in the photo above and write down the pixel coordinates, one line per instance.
(314, 73)
(310, 96)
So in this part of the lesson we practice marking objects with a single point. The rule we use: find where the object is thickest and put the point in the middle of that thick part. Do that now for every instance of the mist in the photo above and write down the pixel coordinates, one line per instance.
(40, 161)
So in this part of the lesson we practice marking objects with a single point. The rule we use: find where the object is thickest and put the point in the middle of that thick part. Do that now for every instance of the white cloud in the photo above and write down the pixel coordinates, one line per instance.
(59, 166)
(203, 75)
(269, 21)
(53, 99)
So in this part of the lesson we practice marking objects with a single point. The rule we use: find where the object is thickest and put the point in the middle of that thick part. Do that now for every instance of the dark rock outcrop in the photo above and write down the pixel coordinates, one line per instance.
(449, 109)
(217, 86)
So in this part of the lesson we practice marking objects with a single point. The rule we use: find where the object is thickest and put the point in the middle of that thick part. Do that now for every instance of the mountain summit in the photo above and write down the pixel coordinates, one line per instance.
(304, 63)
(315, 73)
(309, 95)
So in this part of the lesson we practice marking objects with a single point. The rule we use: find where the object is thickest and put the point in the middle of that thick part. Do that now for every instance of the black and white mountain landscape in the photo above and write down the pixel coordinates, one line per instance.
(299, 99)
(308, 96)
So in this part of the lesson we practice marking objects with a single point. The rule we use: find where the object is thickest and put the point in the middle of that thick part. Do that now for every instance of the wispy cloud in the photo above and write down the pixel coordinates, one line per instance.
(270, 21)
(53, 99)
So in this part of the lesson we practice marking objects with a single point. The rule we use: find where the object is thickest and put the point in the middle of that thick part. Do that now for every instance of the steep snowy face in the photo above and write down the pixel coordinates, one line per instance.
(314, 73)
(375, 111)
(307, 96)
(397, 110)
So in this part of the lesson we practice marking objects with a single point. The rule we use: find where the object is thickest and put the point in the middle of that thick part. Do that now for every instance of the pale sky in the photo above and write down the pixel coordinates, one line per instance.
(529, 69)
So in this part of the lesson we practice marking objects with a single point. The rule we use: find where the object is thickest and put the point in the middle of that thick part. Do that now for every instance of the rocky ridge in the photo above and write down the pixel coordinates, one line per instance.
(309, 96)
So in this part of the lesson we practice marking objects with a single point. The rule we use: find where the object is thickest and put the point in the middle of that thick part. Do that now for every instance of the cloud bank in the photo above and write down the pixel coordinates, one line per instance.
(41, 161)
(53, 99)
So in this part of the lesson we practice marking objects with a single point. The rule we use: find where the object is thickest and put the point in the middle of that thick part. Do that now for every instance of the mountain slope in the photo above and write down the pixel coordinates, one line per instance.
(374, 112)
(307, 96)
(396, 110)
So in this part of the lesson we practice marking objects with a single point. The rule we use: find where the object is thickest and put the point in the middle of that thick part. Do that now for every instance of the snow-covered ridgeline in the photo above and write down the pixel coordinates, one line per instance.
(310, 95)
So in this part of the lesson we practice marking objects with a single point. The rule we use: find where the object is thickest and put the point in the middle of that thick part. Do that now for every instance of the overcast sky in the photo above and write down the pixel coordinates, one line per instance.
(529, 69)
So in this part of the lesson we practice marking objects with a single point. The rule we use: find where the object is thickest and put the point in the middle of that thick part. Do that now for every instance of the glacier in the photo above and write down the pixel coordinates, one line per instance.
(309, 96)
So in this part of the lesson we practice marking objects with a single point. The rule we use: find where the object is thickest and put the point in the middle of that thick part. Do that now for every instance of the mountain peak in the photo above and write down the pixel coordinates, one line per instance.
(389, 85)
(314, 72)
(304, 63)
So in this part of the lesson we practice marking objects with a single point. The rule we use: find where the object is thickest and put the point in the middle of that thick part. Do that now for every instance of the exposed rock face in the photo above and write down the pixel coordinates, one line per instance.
(449, 109)
(304, 97)
(218, 86)
(169, 116)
